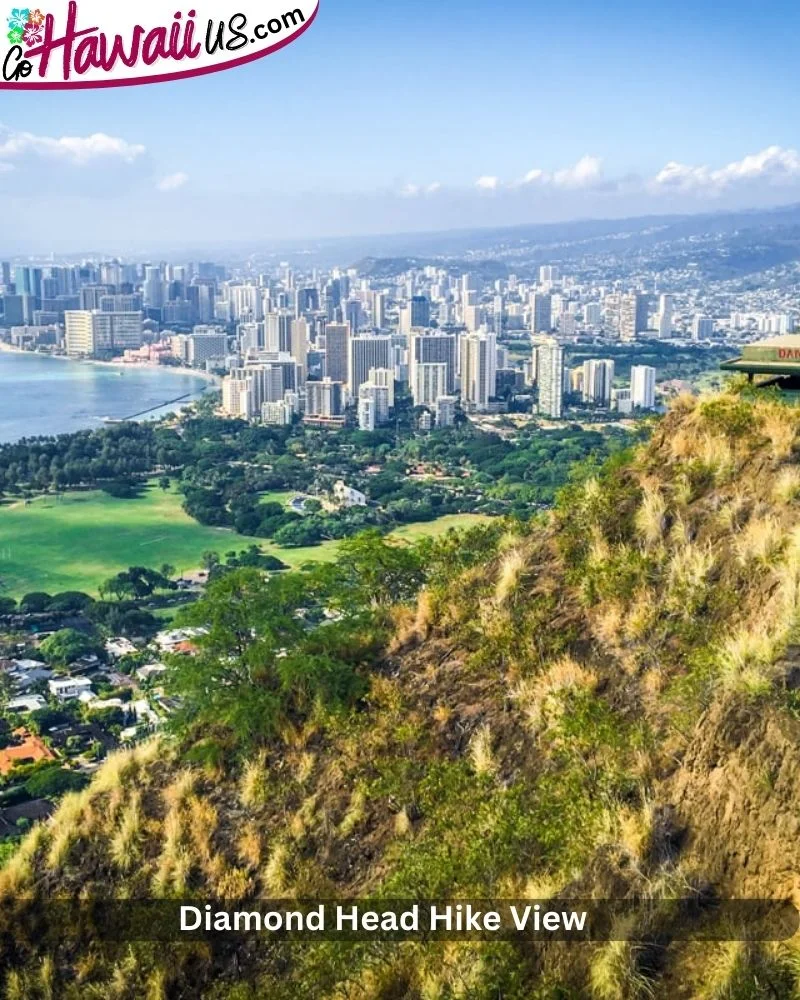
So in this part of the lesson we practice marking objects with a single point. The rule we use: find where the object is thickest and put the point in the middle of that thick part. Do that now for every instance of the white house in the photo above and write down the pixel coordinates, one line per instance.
(29, 703)
(68, 688)
(119, 647)
(347, 496)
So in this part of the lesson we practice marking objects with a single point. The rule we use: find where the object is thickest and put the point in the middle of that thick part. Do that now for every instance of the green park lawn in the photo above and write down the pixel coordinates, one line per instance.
(78, 540)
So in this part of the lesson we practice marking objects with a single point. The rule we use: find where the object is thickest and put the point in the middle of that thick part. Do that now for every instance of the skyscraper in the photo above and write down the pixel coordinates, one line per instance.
(541, 313)
(598, 378)
(478, 369)
(643, 386)
(429, 383)
(337, 338)
(365, 353)
(550, 378)
(633, 315)
(420, 307)
(664, 316)
(434, 348)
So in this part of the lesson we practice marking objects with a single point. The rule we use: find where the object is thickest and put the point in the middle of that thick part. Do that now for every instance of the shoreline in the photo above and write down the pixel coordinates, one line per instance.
(120, 364)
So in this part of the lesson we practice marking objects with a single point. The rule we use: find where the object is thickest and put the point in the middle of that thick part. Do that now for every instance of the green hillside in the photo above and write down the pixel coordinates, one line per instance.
(601, 705)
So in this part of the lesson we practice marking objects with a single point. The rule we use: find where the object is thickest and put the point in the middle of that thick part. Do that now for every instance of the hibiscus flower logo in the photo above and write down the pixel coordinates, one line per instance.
(35, 17)
(32, 34)
(15, 36)
(18, 19)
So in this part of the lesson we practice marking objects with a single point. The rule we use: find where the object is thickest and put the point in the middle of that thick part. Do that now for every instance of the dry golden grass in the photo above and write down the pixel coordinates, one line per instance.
(732, 513)
(608, 621)
(614, 973)
(402, 824)
(114, 770)
(759, 541)
(786, 487)
(635, 830)
(689, 567)
(746, 658)
(124, 843)
(356, 811)
(651, 516)
(16, 874)
(480, 751)
(641, 615)
(202, 822)
(275, 877)
(17, 986)
(512, 566)
(179, 789)
(156, 986)
(683, 444)
(254, 783)
(537, 697)
(249, 846)
(305, 767)
(716, 454)
(779, 424)
(63, 840)
(234, 883)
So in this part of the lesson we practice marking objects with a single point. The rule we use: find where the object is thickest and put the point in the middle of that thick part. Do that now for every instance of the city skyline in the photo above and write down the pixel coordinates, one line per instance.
(618, 113)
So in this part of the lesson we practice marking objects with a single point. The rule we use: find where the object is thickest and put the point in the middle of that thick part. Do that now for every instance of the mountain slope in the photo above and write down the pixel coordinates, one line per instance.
(606, 706)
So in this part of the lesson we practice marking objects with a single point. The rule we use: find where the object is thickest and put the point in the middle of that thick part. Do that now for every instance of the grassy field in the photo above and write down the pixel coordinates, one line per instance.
(411, 532)
(78, 540)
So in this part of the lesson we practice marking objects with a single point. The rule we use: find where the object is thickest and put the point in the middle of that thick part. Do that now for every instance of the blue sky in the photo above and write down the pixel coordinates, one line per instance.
(403, 116)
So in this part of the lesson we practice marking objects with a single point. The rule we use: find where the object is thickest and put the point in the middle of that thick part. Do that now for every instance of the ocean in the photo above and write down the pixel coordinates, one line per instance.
(43, 395)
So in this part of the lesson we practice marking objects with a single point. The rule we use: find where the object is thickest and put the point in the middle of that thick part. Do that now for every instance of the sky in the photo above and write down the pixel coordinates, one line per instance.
(389, 117)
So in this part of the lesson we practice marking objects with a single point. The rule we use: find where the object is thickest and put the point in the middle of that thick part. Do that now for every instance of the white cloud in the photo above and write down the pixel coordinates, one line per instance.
(487, 183)
(172, 181)
(773, 165)
(586, 173)
(75, 150)
(415, 190)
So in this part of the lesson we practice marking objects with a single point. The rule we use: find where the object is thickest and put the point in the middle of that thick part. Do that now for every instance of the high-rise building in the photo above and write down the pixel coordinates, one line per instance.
(550, 378)
(446, 411)
(592, 314)
(548, 273)
(365, 353)
(633, 315)
(366, 413)
(379, 310)
(278, 331)
(643, 386)
(420, 308)
(91, 333)
(353, 315)
(337, 339)
(702, 328)
(541, 313)
(598, 379)
(246, 300)
(299, 345)
(664, 320)
(325, 398)
(429, 382)
(153, 288)
(383, 378)
(478, 369)
(434, 348)
(202, 347)
(621, 400)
